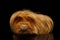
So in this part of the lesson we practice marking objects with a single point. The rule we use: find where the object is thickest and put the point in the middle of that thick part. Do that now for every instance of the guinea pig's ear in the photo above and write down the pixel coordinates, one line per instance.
(18, 18)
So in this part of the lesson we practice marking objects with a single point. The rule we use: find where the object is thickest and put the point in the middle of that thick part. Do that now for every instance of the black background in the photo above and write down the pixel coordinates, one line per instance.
(9, 7)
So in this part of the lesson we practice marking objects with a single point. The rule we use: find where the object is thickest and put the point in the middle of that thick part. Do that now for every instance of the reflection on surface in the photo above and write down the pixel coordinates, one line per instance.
(34, 37)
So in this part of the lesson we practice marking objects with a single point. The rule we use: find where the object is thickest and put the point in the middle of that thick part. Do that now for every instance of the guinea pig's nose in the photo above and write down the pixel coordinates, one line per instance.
(24, 27)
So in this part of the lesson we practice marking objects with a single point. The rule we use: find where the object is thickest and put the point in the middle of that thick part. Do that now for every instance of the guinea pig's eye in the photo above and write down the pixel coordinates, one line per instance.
(17, 19)
(30, 19)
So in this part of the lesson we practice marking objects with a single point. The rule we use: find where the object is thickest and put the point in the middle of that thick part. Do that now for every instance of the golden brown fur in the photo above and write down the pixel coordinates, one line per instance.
(37, 23)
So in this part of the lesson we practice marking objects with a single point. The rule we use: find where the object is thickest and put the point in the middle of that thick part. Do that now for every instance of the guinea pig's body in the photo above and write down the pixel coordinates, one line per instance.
(25, 21)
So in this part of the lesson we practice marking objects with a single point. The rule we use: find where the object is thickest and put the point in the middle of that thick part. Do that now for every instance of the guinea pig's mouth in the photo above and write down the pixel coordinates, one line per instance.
(25, 32)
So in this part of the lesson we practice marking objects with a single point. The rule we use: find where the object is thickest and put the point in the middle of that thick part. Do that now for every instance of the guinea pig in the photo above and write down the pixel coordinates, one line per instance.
(29, 22)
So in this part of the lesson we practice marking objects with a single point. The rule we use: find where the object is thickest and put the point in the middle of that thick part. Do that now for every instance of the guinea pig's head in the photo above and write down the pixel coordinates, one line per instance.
(23, 23)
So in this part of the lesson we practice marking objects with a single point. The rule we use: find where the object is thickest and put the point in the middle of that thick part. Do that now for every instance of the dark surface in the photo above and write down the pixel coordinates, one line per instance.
(33, 37)
(9, 7)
